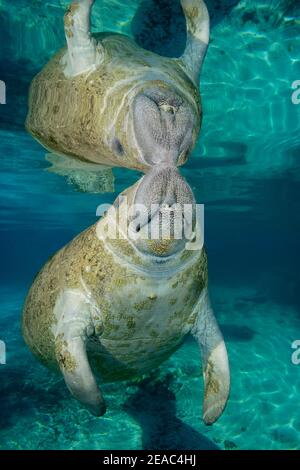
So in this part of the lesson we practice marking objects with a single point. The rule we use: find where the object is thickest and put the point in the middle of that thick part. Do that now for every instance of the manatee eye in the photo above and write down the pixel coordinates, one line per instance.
(118, 147)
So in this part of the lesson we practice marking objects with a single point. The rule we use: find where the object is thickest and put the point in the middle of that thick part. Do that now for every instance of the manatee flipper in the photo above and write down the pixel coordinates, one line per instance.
(85, 177)
(198, 31)
(72, 331)
(214, 360)
(84, 53)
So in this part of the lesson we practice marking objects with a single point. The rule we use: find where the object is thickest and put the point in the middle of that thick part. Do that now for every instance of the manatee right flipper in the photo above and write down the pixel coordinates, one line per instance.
(86, 177)
(74, 327)
(198, 32)
(84, 53)
(214, 361)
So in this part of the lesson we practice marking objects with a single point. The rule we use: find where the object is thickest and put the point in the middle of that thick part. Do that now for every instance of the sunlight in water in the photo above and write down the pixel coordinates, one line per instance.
(245, 169)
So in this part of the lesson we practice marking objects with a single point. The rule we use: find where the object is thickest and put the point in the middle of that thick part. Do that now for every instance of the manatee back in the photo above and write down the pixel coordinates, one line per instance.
(38, 314)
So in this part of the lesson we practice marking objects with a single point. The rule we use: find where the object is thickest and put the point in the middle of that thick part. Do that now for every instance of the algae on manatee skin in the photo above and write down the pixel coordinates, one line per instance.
(64, 357)
(144, 304)
(212, 385)
(130, 321)
(192, 14)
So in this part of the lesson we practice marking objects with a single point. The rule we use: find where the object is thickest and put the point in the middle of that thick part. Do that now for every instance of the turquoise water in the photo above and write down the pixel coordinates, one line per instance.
(245, 169)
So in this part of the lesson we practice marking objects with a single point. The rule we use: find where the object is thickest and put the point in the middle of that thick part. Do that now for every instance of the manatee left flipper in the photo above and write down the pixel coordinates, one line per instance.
(85, 177)
(72, 331)
(214, 360)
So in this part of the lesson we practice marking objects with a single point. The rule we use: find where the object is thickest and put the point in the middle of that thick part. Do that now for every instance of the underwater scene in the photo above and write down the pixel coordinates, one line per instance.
(244, 168)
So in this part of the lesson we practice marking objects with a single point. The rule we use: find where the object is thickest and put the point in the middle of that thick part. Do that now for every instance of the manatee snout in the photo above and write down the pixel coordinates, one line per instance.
(164, 124)
(164, 212)
(164, 185)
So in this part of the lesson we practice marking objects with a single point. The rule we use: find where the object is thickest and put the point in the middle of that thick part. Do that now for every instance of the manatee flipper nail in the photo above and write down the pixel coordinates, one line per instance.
(214, 360)
(73, 329)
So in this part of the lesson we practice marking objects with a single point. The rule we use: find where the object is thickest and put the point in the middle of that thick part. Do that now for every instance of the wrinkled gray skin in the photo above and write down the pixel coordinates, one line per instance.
(163, 124)
(163, 188)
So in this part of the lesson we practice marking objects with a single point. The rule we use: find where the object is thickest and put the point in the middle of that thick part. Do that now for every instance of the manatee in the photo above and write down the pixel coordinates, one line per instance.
(105, 100)
(116, 306)
(83, 176)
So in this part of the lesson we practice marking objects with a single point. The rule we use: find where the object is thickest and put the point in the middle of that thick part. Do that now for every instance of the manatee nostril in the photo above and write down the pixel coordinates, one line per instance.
(168, 109)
